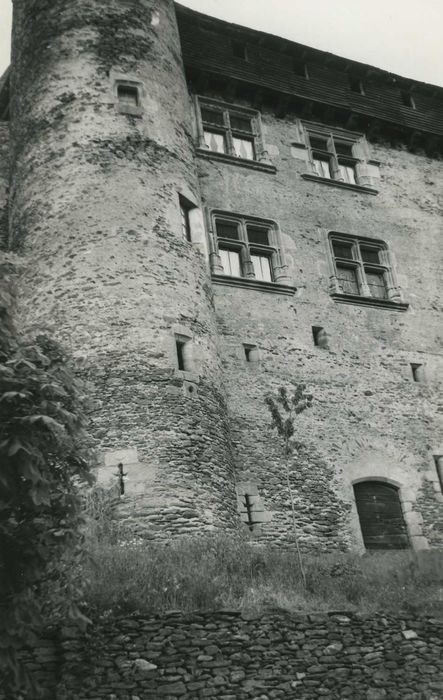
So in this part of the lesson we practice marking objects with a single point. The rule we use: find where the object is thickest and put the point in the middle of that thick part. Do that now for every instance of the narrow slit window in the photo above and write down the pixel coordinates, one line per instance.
(320, 336)
(251, 507)
(248, 506)
(251, 353)
(179, 346)
(128, 96)
(438, 460)
(417, 372)
(185, 220)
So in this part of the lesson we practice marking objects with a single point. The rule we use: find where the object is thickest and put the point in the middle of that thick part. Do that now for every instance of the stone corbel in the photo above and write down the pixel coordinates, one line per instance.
(215, 264)
(334, 287)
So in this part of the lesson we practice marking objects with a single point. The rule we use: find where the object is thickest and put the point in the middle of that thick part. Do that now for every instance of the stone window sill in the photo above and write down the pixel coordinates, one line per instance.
(370, 301)
(246, 283)
(338, 183)
(131, 111)
(187, 375)
(234, 160)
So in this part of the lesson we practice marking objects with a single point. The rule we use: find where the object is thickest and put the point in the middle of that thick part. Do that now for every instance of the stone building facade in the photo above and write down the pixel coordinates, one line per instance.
(203, 214)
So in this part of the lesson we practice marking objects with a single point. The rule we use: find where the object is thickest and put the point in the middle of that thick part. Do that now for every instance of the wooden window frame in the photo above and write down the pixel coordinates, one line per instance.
(330, 153)
(228, 131)
(360, 266)
(244, 247)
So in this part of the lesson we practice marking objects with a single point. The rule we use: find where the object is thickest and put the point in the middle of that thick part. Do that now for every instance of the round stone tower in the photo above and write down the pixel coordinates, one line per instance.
(104, 201)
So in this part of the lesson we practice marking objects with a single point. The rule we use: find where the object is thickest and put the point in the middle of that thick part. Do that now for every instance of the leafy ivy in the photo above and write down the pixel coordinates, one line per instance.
(45, 462)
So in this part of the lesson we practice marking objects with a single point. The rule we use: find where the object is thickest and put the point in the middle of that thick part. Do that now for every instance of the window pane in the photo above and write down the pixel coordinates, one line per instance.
(127, 95)
(343, 148)
(244, 148)
(321, 167)
(258, 235)
(262, 268)
(240, 123)
(230, 260)
(347, 280)
(215, 141)
(318, 143)
(347, 172)
(226, 229)
(342, 250)
(213, 116)
(376, 284)
(370, 255)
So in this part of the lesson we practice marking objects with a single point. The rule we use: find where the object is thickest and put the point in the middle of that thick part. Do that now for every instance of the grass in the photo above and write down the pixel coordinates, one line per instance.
(228, 572)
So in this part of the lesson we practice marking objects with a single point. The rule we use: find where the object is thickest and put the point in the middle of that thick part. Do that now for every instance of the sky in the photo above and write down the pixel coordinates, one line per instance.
(401, 36)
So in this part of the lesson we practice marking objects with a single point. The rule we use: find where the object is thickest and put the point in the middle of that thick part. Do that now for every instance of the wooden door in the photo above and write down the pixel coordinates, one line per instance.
(381, 516)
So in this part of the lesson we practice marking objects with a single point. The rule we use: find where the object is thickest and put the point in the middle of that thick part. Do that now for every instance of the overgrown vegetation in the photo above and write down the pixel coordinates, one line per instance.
(44, 464)
(218, 572)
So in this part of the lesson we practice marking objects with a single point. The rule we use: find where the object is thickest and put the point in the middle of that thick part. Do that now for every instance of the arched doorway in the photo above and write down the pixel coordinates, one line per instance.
(381, 515)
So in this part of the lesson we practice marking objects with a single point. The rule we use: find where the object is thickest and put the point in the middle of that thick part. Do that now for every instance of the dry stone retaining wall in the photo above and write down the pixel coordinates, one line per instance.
(236, 656)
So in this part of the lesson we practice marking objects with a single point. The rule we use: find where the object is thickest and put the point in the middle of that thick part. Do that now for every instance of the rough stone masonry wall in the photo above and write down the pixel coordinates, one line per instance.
(232, 656)
(95, 213)
(369, 419)
(4, 182)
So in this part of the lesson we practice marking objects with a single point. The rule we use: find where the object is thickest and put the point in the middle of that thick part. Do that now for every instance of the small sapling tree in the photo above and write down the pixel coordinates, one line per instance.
(284, 409)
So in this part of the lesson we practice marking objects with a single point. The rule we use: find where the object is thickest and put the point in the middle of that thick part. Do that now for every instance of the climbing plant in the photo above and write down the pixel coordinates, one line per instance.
(45, 461)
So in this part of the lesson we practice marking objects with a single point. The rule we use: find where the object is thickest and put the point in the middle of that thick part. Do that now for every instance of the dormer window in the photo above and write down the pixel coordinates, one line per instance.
(299, 67)
(239, 49)
(356, 85)
(407, 99)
